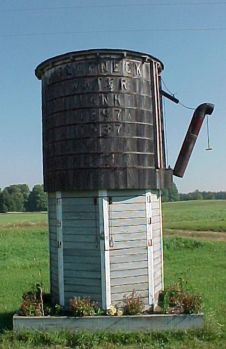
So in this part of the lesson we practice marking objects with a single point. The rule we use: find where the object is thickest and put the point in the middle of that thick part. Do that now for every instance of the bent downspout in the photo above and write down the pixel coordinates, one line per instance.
(191, 137)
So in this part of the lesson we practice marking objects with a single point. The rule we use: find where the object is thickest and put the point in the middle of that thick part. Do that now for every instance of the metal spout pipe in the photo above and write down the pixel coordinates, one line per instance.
(196, 123)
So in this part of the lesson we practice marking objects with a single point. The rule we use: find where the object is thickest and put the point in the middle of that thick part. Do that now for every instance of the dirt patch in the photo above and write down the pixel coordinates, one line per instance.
(202, 235)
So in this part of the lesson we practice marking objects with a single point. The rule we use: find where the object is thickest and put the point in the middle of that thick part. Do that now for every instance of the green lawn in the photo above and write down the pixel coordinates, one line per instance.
(24, 261)
(25, 218)
(200, 215)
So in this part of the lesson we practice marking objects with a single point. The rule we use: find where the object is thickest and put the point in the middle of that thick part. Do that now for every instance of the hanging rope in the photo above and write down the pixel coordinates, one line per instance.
(208, 134)
(173, 94)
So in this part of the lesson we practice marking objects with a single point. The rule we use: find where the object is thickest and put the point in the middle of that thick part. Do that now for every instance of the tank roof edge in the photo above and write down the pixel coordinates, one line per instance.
(70, 56)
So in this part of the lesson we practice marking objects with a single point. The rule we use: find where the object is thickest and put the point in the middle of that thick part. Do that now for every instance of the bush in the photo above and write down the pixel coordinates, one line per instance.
(32, 304)
(177, 298)
(133, 304)
(82, 306)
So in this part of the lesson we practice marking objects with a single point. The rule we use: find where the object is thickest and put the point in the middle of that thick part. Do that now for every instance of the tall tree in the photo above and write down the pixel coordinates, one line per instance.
(170, 194)
(13, 199)
(37, 200)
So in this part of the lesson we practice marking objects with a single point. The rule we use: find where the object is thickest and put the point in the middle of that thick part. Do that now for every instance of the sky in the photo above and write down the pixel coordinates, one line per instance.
(188, 36)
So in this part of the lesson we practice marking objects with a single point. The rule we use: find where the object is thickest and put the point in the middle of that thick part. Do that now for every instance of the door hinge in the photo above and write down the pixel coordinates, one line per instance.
(150, 243)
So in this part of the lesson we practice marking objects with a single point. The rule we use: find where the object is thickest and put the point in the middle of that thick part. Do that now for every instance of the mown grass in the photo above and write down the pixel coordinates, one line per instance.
(24, 261)
(198, 215)
(23, 219)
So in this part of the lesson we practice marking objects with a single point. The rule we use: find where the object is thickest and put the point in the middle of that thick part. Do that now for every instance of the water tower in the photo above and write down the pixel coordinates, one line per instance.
(104, 167)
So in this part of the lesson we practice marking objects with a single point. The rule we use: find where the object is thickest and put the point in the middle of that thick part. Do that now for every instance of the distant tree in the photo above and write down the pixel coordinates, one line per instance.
(13, 199)
(165, 195)
(37, 200)
(1, 202)
(221, 195)
(196, 195)
(173, 193)
(170, 194)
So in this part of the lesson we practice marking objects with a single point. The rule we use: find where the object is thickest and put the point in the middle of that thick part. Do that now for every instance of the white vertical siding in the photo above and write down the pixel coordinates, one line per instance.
(128, 245)
(105, 239)
(157, 243)
(82, 266)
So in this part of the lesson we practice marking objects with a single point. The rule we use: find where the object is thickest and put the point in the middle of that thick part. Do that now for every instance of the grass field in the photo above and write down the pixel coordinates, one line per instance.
(200, 215)
(24, 261)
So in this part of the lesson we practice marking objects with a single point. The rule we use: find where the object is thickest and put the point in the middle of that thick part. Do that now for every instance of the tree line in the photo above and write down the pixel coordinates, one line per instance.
(19, 198)
(173, 195)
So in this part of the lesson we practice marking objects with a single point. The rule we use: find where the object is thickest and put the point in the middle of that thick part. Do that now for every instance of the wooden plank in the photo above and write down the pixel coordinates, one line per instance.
(82, 253)
(123, 258)
(85, 289)
(155, 205)
(60, 247)
(83, 274)
(79, 215)
(149, 237)
(85, 260)
(52, 221)
(157, 258)
(156, 226)
(80, 245)
(79, 194)
(155, 219)
(68, 281)
(129, 244)
(78, 202)
(82, 267)
(127, 222)
(130, 280)
(129, 237)
(120, 296)
(80, 230)
(129, 193)
(103, 206)
(92, 238)
(129, 288)
(128, 229)
(129, 251)
(127, 273)
(158, 281)
(121, 206)
(125, 214)
(157, 246)
(129, 265)
(82, 224)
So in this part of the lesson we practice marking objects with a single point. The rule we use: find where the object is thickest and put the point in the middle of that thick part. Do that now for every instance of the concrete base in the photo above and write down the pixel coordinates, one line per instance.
(153, 322)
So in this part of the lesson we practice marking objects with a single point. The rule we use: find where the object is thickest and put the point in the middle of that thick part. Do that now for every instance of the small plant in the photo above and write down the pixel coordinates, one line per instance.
(32, 304)
(177, 298)
(82, 306)
(133, 304)
(190, 303)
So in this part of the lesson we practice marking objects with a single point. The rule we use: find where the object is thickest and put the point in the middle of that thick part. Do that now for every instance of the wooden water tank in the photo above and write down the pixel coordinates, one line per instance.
(102, 121)
(104, 166)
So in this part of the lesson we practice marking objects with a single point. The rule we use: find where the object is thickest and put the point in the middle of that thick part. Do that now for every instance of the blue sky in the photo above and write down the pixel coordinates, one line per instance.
(188, 36)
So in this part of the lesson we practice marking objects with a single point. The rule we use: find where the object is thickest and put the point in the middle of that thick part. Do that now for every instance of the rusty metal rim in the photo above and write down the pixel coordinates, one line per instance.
(75, 55)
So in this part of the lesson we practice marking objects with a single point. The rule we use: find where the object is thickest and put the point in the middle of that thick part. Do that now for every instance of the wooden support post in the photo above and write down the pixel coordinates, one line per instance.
(150, 249)
(60, 247)
(104, 248)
